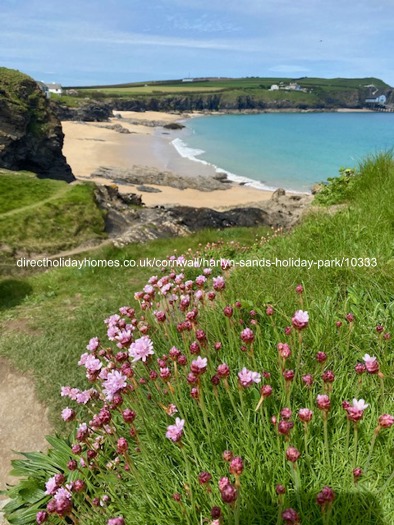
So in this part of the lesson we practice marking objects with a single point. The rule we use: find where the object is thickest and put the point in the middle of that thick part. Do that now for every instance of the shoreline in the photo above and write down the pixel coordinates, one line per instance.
(138, 141)
(147, 146)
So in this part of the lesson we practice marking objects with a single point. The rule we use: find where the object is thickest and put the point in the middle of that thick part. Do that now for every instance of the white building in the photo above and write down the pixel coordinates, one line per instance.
(54, 88)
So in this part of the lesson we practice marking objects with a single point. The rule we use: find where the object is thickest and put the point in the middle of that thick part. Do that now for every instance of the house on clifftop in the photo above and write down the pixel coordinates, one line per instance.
(54, 88)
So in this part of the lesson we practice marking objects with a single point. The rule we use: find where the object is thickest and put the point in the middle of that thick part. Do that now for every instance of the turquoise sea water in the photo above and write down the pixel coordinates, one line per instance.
(290, 150)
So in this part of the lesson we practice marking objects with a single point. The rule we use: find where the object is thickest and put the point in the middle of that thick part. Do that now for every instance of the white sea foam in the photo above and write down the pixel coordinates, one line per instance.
(191, 153)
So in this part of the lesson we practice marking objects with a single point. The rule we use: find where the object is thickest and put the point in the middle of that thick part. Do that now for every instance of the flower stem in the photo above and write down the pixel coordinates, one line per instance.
(326, 445)
(189, 481)
(355, 445)
(371, 447)
(238, 503)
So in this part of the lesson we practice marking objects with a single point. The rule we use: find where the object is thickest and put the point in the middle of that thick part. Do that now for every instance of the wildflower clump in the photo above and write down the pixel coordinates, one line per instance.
(199, 408)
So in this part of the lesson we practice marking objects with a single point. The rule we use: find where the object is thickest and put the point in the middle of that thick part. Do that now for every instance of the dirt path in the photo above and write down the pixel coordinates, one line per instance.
(23, 420)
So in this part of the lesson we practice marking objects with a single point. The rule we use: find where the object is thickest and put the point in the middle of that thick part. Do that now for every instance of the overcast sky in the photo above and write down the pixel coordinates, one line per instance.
(82, 42)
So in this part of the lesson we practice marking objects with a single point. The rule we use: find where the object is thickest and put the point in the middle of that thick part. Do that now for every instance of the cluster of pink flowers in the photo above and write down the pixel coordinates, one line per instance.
(127, 372)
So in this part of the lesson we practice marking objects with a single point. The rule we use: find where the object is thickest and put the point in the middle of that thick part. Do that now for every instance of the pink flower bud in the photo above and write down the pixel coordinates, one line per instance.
(321, 357)
(307, 380)
(284, 350)
(204, 477)
(299, 289)
(288, 375)
(286, 413)
(328, 376)
(280, 489)
(292, 454)
(227, 455)
(359, 368)
(269, 310)
(236, 466)
(290, 517)
(325, 497)
(386, 420)
(284, 427)
(357, 473)
(266, 391)
(247, 335)
(323, 402)
(305, 415)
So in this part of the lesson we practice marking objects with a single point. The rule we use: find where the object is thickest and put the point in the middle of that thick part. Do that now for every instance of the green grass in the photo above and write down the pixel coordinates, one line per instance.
(46, 216)
(40, 309)
(60, 310)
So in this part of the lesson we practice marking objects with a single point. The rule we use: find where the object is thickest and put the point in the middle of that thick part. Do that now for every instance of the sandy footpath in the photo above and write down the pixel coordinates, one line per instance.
(89, 145)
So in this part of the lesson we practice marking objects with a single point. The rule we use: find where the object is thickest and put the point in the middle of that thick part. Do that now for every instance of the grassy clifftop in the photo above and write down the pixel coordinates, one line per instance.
(242, 93)
(44, 216)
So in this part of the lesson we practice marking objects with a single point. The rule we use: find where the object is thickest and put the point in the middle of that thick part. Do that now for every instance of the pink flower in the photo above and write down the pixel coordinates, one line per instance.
(288, 375)
(116, 521)
(290, 517)
(325, 497)
(122, 445)
(284, 427)
(269, 310)
(300, 320)
(223, 370)
(284, 350)
(386, 421)
(328, 376)
(93, 344)
(321, 357)
(228, 493)
(299, 289)
(115, 381)
(371, 364)
(305, 415)
(323, 402)
(199, 365)
(92, 364)
(247, 335)
(175, 432)
(286, 413)
(204, 477)
(218, 283)
(308, 380)
(68, 414)
(247, 377)
(356, 410)
(141, 349)
(266, 391)
(236, 466)
(51, 486)
(357, 473)
(292, 454)
(41, 517)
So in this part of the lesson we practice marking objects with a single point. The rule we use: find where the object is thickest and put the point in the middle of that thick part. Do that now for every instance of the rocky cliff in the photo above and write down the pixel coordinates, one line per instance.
(31, 136)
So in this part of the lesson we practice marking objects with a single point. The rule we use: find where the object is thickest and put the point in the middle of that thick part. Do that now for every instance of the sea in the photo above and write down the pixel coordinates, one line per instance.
(287, 150)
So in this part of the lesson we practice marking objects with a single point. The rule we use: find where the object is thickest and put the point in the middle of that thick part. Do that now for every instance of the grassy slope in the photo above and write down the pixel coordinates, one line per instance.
(45, 307)
(46, 215)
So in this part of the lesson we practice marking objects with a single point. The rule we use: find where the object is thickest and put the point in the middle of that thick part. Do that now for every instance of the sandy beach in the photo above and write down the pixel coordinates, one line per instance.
(91, 145)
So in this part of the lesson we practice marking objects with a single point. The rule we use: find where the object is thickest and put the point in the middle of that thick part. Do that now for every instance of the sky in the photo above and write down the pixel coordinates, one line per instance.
(89, 42)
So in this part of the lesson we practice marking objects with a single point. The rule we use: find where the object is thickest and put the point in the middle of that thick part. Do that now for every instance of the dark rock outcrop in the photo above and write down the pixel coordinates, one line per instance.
(91, 111)
(137, 175)
(31, 136)
(127, 223)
